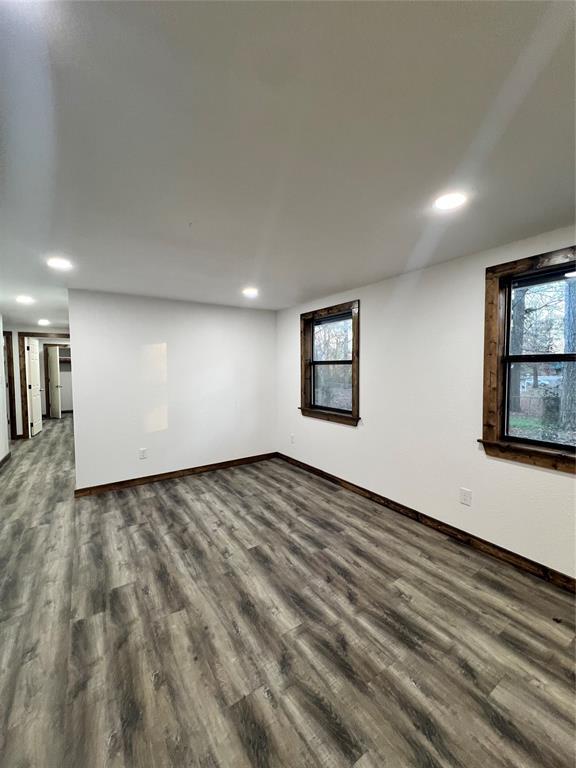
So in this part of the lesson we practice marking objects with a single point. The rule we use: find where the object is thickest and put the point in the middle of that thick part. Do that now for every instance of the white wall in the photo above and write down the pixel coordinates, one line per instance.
(197, 384)
(4, 439)
(421, 358)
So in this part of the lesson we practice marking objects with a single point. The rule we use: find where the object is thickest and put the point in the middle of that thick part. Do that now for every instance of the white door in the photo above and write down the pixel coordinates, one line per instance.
(54, 385)
(33, 381)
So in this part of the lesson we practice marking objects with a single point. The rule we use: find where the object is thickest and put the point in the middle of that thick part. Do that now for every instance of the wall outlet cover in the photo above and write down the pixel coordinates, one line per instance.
(466, 497)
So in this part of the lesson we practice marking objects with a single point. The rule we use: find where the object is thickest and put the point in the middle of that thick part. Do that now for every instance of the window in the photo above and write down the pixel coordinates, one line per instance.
(329, 363)
(530, 360)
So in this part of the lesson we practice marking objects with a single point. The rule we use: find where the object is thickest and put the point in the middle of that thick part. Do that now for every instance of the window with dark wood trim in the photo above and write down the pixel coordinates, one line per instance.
(330, 344)
(530, 361)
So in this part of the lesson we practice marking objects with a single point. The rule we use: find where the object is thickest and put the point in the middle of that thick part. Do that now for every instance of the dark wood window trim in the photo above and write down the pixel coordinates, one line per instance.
(494, 440)
(307, 321)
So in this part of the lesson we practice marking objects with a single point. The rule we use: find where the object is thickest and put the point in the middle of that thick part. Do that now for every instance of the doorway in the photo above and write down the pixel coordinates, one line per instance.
(57, 380)
(31, 372)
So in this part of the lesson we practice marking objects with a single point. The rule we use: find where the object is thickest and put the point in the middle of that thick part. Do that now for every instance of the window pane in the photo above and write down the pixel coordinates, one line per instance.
(333, 386)
(542, 402)
(543, 317)
(333, 339)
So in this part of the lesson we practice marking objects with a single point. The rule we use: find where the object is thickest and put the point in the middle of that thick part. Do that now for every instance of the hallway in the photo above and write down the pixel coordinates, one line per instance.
(36, 556)
(260, 617)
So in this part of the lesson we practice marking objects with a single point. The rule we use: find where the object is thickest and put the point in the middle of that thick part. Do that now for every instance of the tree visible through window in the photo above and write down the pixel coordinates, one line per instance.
(330, 363)
(541, 375)
(530, 360)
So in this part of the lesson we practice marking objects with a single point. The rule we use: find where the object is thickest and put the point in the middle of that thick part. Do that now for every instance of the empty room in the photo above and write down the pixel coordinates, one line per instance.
(288, 384)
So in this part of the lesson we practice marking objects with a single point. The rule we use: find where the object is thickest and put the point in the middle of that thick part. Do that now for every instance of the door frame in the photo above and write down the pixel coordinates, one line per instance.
(11, 389)
(22, 335)
(47, 377)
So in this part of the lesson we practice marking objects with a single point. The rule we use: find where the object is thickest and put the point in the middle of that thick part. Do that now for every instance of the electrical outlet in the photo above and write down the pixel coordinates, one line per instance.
(466, 497)
(292, 439)
(142, 453)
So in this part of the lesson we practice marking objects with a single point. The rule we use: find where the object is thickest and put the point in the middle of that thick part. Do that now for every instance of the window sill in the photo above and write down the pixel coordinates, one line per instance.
(340, 418)
(530, 454)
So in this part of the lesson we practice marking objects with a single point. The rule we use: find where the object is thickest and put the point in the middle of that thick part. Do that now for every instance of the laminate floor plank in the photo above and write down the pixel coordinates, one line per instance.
(262, 617)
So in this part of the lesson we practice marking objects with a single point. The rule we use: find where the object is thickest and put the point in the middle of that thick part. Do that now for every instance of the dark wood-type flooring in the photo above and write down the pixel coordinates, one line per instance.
(260, 617)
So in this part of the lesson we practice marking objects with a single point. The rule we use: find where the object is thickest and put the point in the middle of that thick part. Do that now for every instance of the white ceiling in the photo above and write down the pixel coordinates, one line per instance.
(189, 149)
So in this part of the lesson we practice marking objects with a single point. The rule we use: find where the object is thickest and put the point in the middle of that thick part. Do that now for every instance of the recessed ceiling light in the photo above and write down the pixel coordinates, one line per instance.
(59, 262)
(450, 201)
(42, 321)
(25, 300)
(250, 293)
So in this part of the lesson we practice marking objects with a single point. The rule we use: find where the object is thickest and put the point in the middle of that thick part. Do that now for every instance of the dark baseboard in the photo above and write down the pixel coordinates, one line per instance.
(518, 561)
(121, 484)
(504, 555)
(5, 460)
